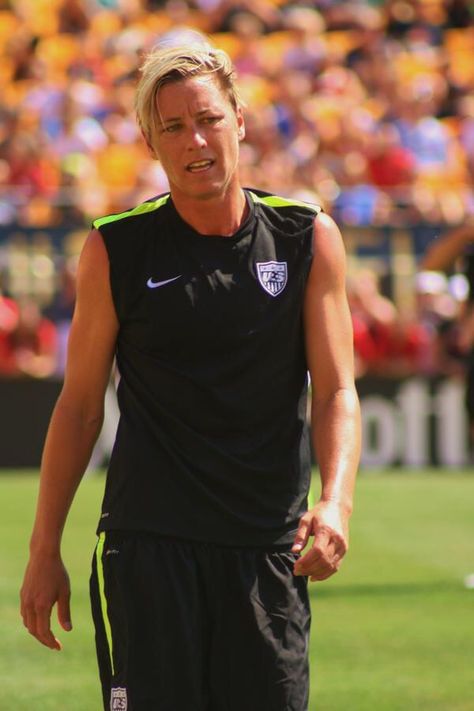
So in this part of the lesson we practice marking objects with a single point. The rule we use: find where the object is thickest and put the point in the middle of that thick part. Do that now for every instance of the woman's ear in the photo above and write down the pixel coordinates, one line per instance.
(240, 124)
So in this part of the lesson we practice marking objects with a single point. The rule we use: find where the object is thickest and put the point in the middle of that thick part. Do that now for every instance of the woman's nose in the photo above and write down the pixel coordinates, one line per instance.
(197, 139)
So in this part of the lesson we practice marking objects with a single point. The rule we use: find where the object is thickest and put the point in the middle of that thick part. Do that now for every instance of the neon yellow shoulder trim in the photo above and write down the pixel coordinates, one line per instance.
(138, 210)
(275, 201)
(103, 600)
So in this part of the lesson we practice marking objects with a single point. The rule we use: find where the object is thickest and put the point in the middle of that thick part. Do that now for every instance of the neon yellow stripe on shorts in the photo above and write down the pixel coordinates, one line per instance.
(103, 600)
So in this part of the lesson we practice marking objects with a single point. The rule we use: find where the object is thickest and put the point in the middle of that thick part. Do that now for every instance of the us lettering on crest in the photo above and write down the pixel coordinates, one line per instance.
(118, 699)
(273, 276)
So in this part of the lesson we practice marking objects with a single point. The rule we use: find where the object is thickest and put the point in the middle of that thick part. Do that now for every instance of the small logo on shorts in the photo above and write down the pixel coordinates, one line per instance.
(272, 276)
(118, 699)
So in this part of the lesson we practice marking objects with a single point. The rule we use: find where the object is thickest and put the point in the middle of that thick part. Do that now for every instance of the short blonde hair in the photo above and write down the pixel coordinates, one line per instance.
(167, 64)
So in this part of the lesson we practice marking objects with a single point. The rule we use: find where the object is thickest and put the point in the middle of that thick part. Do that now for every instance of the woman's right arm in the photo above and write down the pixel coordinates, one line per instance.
(75, 425)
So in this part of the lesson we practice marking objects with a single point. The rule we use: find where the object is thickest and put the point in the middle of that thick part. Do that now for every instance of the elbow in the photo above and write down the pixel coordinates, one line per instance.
(343, 396)
(81, 412)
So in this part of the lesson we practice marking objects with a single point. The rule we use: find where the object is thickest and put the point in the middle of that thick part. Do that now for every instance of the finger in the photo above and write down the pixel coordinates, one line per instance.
(340, 545)
(326, 573)
(330, 545)
(320, 567)
(23, 612)
(322, 570)
(43, 628)
(24, 606)
(64, 611)
(302, 535)
(29, 621)
(310, 559)
(317, 551)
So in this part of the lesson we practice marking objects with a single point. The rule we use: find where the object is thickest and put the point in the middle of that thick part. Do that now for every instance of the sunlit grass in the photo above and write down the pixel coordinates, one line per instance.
(393, 631)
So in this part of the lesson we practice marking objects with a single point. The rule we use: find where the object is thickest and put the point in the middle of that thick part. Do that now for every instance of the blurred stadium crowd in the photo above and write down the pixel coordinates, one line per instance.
(362, 106)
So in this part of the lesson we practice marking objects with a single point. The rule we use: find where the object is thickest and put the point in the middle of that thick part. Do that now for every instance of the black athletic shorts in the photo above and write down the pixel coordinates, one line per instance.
(186, 626)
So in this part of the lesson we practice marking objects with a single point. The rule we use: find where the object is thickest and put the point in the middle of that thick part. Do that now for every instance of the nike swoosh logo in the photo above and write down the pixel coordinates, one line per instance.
(155, 284)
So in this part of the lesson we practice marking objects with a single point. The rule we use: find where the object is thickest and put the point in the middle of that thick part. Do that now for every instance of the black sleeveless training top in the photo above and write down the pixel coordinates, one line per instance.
(212, 443)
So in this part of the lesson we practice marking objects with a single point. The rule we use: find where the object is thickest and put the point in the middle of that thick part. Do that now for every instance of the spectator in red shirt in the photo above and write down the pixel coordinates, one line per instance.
(390, 165)
(30, 347)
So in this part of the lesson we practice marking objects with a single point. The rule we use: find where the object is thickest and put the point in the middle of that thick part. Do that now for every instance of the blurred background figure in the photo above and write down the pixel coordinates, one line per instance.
(8, 315)
(29, 348)
(61, 310)
(387, 342)
(456, 249)
(440, 302)
(373, 318)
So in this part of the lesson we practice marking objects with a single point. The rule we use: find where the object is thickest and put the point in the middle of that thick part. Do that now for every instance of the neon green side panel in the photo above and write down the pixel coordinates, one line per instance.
(275, 201)
(138, 210)
(103, 600)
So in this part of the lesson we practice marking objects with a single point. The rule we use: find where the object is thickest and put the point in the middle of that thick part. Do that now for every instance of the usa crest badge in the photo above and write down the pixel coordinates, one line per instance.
(118, 699)
(272, 276)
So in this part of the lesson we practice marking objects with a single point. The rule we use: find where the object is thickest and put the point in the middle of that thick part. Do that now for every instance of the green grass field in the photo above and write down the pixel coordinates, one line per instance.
(393, 631)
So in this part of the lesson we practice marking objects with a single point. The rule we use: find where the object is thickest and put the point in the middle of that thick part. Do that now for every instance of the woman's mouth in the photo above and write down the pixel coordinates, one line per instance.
(199, 166)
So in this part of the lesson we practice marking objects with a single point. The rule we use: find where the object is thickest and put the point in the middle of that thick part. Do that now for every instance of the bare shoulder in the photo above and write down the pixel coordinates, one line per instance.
(94, 328)
(93, 282)
(94, 302)
(327, 319)
(94, 261)
(329, 255)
